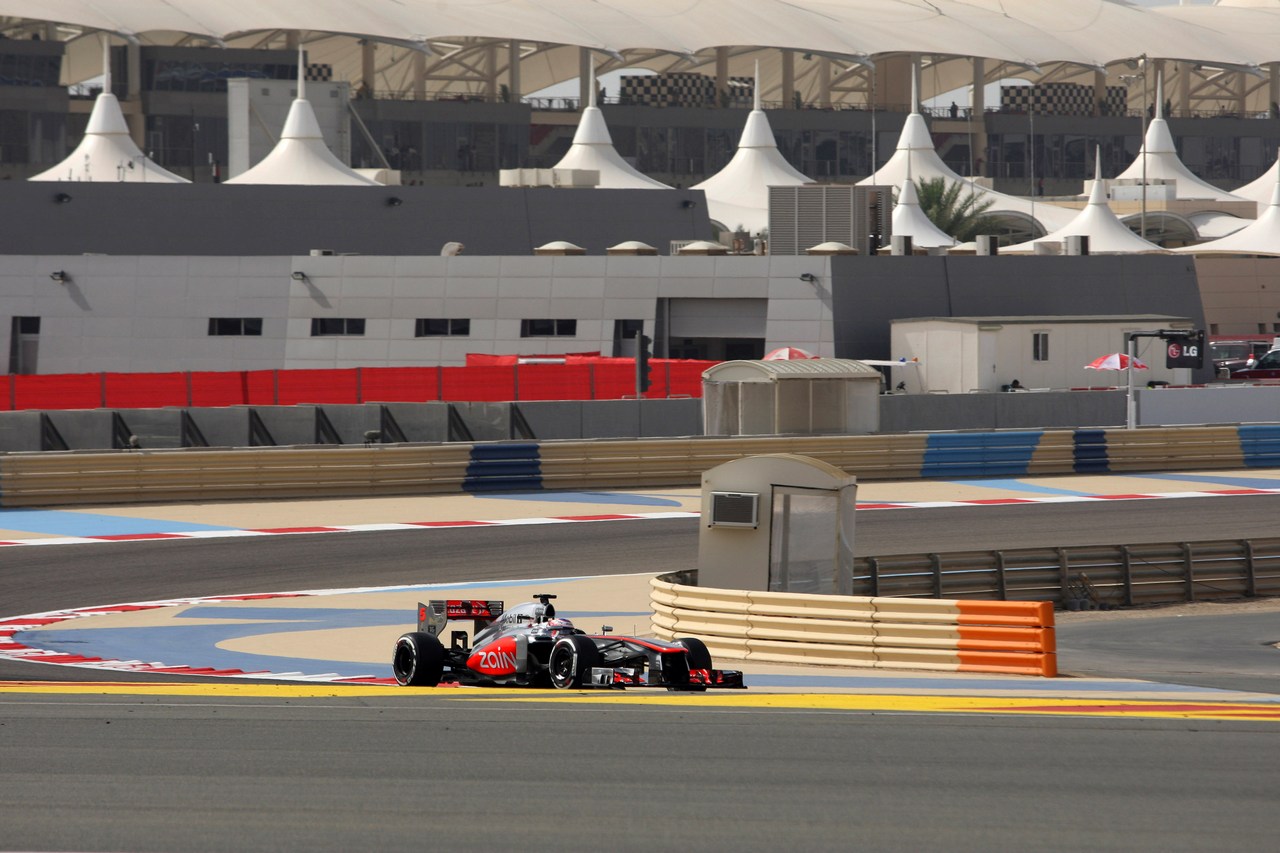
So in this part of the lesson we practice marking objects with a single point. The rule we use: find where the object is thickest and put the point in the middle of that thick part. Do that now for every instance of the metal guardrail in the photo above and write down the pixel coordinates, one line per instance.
(841, 630)
(1082, 577)
(65, 479)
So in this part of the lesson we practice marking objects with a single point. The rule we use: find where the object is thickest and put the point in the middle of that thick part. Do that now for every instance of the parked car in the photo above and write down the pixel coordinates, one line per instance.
(1266, 367)
(1238, 354)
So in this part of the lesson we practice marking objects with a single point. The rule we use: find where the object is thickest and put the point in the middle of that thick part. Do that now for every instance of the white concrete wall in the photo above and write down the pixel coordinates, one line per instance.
(150, 313)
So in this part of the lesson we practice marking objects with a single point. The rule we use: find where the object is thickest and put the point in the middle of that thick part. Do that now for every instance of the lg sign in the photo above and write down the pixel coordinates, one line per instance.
(1185, 350)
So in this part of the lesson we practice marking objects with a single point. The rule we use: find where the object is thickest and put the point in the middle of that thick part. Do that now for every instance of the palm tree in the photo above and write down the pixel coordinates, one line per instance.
(955, 209)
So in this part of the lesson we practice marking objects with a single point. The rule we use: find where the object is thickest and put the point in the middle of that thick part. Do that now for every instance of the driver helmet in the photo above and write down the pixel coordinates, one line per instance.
(558, 624)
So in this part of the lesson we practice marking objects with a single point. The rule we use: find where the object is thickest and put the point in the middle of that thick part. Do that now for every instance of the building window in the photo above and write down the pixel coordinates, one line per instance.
(1039, 346)
(434, 327)
(26, 325)
(548, 328)
(235, 325)
(325, 326)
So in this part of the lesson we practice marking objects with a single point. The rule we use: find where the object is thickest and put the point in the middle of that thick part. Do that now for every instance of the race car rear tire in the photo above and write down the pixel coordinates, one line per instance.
(418, 660)
(570, 662)
(699, 657)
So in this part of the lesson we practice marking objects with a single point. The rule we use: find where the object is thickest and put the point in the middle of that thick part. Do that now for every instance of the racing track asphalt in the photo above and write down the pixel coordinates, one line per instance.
(407, 773)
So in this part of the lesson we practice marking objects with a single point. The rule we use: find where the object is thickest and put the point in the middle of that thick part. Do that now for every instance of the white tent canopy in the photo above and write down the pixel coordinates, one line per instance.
(910, 220)
(1090, 32)
(1261, 237)
(1158, 159)
(593, 149)
(739, 193)
(107, 152)
(1107, 234)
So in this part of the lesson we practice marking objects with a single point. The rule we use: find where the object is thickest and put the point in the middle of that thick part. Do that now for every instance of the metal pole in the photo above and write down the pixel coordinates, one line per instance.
(1143, 219)
(1130, 411)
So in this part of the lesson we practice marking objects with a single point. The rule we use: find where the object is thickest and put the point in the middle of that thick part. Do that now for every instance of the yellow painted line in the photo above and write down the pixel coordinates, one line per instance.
(943, 704)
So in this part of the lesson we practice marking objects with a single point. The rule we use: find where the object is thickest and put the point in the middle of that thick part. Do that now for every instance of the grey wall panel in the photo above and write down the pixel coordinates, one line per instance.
(227, 427)
(289, 424)
(1055, 410)
(351, 422)
(218, 219)
(660, 418)
(83, 430)
(19, 432)
(1039, 410)
(611, 419)
(1209, 405)
(486, 421)
(421, 421)
(552, 419)
(154, 427)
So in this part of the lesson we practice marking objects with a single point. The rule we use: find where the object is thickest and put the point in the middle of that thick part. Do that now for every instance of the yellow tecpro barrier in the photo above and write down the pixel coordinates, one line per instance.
(1012, 637)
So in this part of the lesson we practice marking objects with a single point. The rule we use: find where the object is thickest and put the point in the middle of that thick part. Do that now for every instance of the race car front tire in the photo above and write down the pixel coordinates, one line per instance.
(699, 657)
(570, 662)
(418, 660)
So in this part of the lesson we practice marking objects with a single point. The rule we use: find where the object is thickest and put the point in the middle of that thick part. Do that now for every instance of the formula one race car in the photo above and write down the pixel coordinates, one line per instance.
(528, 646)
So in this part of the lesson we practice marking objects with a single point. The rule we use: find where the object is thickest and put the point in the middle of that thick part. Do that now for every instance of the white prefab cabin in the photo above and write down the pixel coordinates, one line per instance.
(959, 355)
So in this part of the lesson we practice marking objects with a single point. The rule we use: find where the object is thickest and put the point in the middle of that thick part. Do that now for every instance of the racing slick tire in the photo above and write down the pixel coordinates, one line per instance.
(418, 660)
(699, 657)
(570, 662)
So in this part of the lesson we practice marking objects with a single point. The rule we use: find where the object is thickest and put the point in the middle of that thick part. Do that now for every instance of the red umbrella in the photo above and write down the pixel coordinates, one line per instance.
(788, 354)
(1115, 361)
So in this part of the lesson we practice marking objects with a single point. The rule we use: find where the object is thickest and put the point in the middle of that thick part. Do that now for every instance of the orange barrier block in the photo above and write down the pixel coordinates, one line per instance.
(1012, 613)
(1014, 664)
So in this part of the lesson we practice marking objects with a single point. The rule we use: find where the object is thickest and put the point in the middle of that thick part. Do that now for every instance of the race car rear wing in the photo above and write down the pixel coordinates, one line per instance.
(433, 616)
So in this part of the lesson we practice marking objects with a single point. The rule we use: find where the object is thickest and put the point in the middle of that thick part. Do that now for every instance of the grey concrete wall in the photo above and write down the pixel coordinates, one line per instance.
(154, 427)
(227, 427)
(81, 429)
(1224, 404)
(219, 219)
(421, 421)
(19, 432)
(289, 424)
(1038, 410)
(551, 419)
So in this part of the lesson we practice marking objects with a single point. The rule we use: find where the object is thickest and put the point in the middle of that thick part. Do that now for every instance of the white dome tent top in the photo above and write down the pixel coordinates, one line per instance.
(1107, 234)
(1261, 237)
(593, 149)
(107, 152)
(739, 193)
(915, 155)
(1160, 156)
(910, 220)
(301, 157)
(1260, 190)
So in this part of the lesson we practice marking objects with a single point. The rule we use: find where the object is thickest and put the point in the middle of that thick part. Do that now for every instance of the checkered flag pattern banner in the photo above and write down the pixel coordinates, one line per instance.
(684, 90)
(1061, 99)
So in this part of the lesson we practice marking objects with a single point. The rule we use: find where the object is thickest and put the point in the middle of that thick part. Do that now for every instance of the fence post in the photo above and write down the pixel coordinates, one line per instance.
(1002, 589)
(275, 387)
(1064, 574)
(935, 561)
(1127, 560)
(1188, 571)
(102, 390)
(359, 385)
(190, 397)
(873, 563)
(1250, 575)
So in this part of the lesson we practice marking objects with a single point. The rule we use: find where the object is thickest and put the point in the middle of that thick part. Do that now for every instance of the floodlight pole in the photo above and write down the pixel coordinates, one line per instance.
(1143, 218)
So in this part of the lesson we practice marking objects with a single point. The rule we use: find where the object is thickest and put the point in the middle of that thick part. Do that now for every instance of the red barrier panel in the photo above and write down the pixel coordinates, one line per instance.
(6, 388)
(260, 387)
(399, 384)
(144, 390)
(59, 391)
(316, 386)
(615, 380)
(478, 384)
(554, 381)
(209, 388)
(686, 377)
